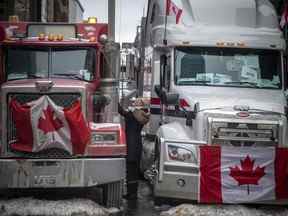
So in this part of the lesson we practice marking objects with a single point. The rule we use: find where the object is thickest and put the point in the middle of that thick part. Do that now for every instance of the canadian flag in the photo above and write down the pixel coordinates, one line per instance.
(242, 175)
(41, 124)
(173, 10)
(284, 17)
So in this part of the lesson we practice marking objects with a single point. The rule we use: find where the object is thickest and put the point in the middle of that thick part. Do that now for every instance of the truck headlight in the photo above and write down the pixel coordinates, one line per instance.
(180, 154)
(104, 138)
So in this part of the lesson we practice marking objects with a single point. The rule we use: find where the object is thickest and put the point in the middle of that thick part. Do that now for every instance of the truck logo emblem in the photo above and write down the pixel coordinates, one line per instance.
(243, 114)
(43, 85)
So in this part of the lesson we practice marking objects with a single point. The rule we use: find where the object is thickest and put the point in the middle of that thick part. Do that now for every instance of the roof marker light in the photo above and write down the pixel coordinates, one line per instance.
(92, 20)
(92, 39)
(14, 19)
(41, 37)
(59, 37)
(241, 44)
(51, 37)
(220, 44)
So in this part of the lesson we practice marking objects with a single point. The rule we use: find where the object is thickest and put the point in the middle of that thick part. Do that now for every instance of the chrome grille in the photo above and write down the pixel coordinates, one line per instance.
(64, 100)
(244, 134)
(47, 153)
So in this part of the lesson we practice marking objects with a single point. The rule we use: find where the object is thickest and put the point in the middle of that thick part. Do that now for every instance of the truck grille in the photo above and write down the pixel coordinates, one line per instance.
(244, 134)
(64, 100)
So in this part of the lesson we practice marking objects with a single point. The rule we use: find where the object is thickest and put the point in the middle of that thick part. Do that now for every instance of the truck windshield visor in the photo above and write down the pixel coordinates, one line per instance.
(231, 67)
(70, 63)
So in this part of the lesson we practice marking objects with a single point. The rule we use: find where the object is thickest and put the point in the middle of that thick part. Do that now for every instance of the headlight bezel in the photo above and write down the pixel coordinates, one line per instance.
(180, 154)
(104, 138)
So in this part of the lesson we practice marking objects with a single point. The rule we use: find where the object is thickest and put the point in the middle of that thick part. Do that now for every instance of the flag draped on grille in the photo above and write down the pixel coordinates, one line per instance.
(41, 124)
(243, 175)
(173, 10)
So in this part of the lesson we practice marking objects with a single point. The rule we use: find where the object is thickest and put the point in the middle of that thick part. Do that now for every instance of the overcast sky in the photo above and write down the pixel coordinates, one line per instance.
(128, 15)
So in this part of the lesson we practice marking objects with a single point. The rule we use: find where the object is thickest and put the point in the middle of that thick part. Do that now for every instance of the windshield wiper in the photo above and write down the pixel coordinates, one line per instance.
(34, 76)
(73, 76)
(194, 82)
(243, 82)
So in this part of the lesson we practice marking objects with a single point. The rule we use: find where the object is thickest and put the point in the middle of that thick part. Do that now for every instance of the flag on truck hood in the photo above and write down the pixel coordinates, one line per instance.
(41, 124)
(243, 175)
(173, 10)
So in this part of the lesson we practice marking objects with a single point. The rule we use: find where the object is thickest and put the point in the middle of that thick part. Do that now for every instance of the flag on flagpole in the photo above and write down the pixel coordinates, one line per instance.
(284, 17)
(242, 175)
(173, 10)
(41, 124)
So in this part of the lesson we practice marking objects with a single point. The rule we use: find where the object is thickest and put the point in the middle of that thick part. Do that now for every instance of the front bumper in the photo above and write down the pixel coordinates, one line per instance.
(60, 173)
(179, 180)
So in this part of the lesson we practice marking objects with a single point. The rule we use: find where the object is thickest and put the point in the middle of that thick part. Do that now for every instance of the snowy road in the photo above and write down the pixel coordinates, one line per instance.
(144, 206)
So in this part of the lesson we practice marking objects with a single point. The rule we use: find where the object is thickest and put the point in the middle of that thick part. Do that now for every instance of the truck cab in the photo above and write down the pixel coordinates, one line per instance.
(218, 79)
(64, 65)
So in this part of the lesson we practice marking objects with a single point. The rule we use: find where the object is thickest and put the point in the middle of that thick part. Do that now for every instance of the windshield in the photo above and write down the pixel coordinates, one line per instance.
(25, 63)
(228, 67)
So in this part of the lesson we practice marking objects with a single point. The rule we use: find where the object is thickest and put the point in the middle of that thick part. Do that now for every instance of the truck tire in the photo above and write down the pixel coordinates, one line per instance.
(159, 201)
(112, 194)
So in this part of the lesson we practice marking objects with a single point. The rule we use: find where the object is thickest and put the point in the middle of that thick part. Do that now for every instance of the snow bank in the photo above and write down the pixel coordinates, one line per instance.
(31, 207)
(225, 210)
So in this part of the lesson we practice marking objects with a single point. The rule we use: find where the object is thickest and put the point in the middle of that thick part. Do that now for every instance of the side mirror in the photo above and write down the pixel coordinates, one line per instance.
(170, 98)
(189, 118)
(157, 89)
(101, 100)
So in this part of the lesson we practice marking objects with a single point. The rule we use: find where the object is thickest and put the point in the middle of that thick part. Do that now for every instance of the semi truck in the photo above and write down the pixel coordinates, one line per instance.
(218, 79)
(60, 126)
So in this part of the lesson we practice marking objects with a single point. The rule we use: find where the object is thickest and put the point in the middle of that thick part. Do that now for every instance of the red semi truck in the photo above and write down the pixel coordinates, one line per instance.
(59, 122)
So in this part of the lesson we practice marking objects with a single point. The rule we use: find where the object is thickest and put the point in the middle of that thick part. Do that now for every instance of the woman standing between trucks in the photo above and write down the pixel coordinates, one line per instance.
(135, 118)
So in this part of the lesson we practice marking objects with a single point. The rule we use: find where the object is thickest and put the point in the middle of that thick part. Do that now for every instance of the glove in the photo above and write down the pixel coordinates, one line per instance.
(141, 116)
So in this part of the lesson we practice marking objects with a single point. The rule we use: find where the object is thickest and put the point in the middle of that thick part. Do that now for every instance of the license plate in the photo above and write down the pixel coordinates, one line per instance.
(44, 181)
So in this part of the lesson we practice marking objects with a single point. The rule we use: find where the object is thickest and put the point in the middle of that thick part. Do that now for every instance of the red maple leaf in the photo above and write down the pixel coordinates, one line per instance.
(49, 123)
(246, 175)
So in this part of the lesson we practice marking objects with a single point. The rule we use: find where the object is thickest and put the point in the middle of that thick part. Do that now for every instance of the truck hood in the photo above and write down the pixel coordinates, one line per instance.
(222, 97)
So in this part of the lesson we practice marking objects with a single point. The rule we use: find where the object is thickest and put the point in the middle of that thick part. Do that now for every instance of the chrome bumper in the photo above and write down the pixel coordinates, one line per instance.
(179, 180)
(59, 173)
(169, 187)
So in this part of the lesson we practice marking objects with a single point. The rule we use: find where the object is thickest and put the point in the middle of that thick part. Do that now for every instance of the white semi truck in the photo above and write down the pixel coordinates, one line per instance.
(218, 79)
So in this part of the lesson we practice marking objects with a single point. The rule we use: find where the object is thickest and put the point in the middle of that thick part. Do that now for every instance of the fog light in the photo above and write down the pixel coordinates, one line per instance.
(181, 182)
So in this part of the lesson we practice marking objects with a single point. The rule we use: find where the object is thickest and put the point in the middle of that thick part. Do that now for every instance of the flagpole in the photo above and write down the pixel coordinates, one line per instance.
(165, 25)
(285, 34)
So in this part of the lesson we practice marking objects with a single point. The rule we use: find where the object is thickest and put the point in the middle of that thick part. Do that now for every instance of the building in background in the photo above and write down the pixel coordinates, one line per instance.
(42, 10)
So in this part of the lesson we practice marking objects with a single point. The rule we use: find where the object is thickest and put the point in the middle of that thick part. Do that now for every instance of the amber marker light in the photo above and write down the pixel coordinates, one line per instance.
(41, 37)
(241, 44)
(220, 44)
(59, 37)
(51, 37)
(92, 20)
(14, 18)
(92, 39)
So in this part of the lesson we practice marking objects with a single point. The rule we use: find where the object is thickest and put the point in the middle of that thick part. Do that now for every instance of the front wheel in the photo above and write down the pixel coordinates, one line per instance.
(112, 194)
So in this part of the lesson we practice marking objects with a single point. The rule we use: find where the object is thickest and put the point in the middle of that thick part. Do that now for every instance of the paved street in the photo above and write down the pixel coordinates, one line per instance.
(144, 206)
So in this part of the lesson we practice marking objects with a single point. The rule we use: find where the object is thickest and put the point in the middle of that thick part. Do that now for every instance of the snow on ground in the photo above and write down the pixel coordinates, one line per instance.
(225, 210)
(72, 207)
